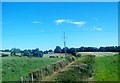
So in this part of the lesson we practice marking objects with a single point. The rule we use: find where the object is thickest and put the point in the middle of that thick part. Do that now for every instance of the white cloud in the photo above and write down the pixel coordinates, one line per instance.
(60, 21)
(98, 29)
(36, 22)
(78, 23)
(70, 22)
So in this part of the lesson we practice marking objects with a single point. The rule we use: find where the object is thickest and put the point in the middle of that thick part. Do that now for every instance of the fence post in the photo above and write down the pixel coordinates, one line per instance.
(32, 77)
(21, 79)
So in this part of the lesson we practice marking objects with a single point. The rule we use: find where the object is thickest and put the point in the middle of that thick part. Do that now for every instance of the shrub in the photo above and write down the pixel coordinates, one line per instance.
(51, 56)
(49, 69)
(78, 55)
(4, 55)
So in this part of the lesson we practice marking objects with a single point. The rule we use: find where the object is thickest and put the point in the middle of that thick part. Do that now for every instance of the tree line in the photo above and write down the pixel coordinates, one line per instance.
(39, 53)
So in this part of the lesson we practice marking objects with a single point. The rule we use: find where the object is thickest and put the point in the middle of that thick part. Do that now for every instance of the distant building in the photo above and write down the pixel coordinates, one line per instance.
(50, 52)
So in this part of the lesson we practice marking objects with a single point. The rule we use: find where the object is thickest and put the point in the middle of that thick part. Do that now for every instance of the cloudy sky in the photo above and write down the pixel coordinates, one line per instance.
(41, 25)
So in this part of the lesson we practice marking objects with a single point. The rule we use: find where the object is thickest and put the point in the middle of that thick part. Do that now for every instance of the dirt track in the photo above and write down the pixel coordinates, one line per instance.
(48, 78)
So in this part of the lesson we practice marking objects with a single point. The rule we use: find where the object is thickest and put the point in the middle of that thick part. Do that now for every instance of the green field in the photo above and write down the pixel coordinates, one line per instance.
(98, 53)
(15, 67)
(55, 54)
(106, 68)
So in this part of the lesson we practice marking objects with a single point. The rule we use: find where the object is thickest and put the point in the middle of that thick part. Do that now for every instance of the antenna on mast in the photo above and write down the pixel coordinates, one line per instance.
(65, 43)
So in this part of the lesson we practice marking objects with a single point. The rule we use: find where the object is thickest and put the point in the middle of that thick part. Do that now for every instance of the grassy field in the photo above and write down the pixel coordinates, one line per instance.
(99, 53)
(15, 67)
(106, 68)
(56, 54)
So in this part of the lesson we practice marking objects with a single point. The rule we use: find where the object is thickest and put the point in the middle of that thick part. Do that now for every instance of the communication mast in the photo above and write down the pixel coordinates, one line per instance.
(65, 43)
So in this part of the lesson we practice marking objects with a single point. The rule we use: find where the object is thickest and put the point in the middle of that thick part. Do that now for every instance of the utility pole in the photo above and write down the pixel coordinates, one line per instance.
(65, 44)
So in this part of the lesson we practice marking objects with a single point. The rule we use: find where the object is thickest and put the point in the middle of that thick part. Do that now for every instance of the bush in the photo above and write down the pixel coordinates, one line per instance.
(74, 54)
(51, 56)
(4, 55)
(78, 55)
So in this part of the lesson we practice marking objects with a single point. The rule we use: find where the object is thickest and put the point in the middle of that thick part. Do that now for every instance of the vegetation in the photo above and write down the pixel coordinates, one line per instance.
(81, 70)
(38, 53)
(106, 68)
(39, 74)
(15, 67)
(57, 49)
(42, 64)
(102, 67)
(59, 55)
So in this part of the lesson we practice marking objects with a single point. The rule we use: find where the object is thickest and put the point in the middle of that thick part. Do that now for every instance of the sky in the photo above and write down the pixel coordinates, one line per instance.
(29, 25)
(60, 0)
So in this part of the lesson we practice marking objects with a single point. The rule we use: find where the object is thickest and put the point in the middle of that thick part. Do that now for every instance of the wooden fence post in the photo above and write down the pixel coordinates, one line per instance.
(21, 79)
(32, 77)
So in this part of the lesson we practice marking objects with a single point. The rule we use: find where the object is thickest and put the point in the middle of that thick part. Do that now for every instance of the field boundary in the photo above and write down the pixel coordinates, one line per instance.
(39, 74)
(57, 72)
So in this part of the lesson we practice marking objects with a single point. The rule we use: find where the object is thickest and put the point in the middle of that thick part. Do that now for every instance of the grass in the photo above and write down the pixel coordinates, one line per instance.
(77, 71)
(15, 67)
(106, 68)
(99, 53)
(55, 54)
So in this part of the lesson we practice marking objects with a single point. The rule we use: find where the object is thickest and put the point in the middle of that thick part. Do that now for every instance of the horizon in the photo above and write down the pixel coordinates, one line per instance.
(41, 25)
(54, 48)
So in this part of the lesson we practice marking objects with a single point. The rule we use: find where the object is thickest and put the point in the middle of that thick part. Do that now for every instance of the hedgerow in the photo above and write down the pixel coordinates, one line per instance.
(78, 71)
(38, 75)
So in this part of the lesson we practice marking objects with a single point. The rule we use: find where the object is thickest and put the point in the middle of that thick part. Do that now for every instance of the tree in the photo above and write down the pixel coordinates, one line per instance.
(6, 50)
(81, 49)
(46, 52)
(37, 53)
(50, 50)
(14, 51)
(72, 51)
(57, 49)
(27, 53)
(102, 49)
(65, 48)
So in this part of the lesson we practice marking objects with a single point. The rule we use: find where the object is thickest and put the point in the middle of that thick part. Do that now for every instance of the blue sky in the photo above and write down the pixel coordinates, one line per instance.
(60, 0)
(28, 25)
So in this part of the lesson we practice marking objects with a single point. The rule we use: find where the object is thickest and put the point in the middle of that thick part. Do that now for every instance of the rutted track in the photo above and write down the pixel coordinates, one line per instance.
(49, 78)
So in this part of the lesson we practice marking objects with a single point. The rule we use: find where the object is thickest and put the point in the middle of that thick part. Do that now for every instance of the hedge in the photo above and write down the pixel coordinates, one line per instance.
(39, 74)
